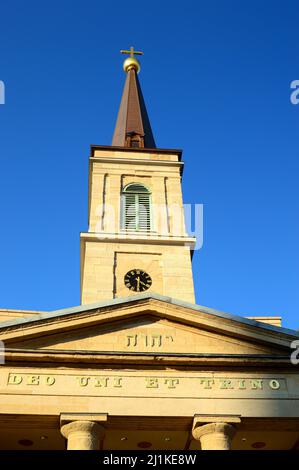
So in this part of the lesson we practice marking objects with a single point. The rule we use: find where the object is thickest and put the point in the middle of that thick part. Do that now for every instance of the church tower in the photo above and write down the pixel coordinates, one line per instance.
(136, 239)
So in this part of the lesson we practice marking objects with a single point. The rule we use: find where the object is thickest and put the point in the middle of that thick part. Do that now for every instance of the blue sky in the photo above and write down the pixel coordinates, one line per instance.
(216, 79)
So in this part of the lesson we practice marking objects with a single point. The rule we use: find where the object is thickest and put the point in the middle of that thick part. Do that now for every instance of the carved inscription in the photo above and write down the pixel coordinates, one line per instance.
(148, 341)
(103, 382)
(28, 379)
(195, 385)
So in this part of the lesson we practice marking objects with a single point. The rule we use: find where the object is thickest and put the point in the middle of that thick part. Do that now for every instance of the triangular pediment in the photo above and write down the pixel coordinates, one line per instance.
(145, 324)
(145, 333)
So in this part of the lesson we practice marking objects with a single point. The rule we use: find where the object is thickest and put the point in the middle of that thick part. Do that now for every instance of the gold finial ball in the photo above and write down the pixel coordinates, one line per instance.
(131, 63)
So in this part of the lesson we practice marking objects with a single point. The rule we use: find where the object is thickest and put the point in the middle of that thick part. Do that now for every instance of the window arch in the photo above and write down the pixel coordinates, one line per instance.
(136, 208)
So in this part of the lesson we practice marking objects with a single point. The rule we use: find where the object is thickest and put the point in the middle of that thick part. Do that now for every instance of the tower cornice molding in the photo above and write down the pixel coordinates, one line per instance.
(148, 238)
(137, 161)
(94, 147)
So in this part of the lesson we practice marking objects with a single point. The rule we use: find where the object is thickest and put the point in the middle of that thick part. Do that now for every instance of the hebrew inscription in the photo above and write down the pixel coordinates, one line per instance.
(148, 341)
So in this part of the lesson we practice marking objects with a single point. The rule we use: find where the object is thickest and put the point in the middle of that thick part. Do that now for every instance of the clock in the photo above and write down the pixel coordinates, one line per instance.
(137, 280)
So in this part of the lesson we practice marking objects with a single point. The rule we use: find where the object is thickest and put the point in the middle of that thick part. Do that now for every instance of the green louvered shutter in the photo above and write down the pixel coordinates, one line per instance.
(144, 214)
(130, 211)
(136, 208)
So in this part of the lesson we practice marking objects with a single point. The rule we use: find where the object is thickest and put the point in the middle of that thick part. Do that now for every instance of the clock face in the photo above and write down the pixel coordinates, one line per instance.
(137, 280)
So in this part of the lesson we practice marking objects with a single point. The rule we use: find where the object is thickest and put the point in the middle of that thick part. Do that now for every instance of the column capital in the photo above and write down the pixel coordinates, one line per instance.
(83, 435)
(214, 432)
(89, 427)
(214, 428)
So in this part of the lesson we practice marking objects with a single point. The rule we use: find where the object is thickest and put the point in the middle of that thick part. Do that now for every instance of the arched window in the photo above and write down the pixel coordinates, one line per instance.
(136, 208)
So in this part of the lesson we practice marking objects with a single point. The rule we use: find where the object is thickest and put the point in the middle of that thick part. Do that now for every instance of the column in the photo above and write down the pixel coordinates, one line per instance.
(83, 435)
(215, 432)
(214, 436)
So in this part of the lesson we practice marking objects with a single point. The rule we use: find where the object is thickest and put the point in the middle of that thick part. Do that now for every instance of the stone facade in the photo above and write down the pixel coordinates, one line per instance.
(147, 369)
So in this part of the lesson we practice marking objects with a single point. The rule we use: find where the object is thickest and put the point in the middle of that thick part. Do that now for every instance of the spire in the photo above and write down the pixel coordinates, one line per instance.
(133, 127)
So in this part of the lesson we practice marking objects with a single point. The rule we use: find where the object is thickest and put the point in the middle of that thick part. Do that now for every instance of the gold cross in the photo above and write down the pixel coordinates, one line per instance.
(131, 52)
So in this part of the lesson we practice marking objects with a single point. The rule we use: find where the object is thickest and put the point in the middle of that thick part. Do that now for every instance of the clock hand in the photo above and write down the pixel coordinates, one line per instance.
(143, 283)
(138, 283)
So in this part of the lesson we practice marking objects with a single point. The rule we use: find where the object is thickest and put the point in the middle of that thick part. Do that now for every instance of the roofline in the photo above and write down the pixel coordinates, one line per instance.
(154, 296)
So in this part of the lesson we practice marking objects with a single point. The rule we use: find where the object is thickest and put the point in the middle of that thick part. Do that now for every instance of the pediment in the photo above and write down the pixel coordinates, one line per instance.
(145, 325)
(145, 334)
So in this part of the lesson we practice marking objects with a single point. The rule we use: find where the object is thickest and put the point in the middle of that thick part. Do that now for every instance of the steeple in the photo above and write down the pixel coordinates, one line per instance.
(133, 127)
(136, 239)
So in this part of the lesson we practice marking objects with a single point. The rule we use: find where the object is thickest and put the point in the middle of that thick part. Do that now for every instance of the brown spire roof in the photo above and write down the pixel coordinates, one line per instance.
(133, 127)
